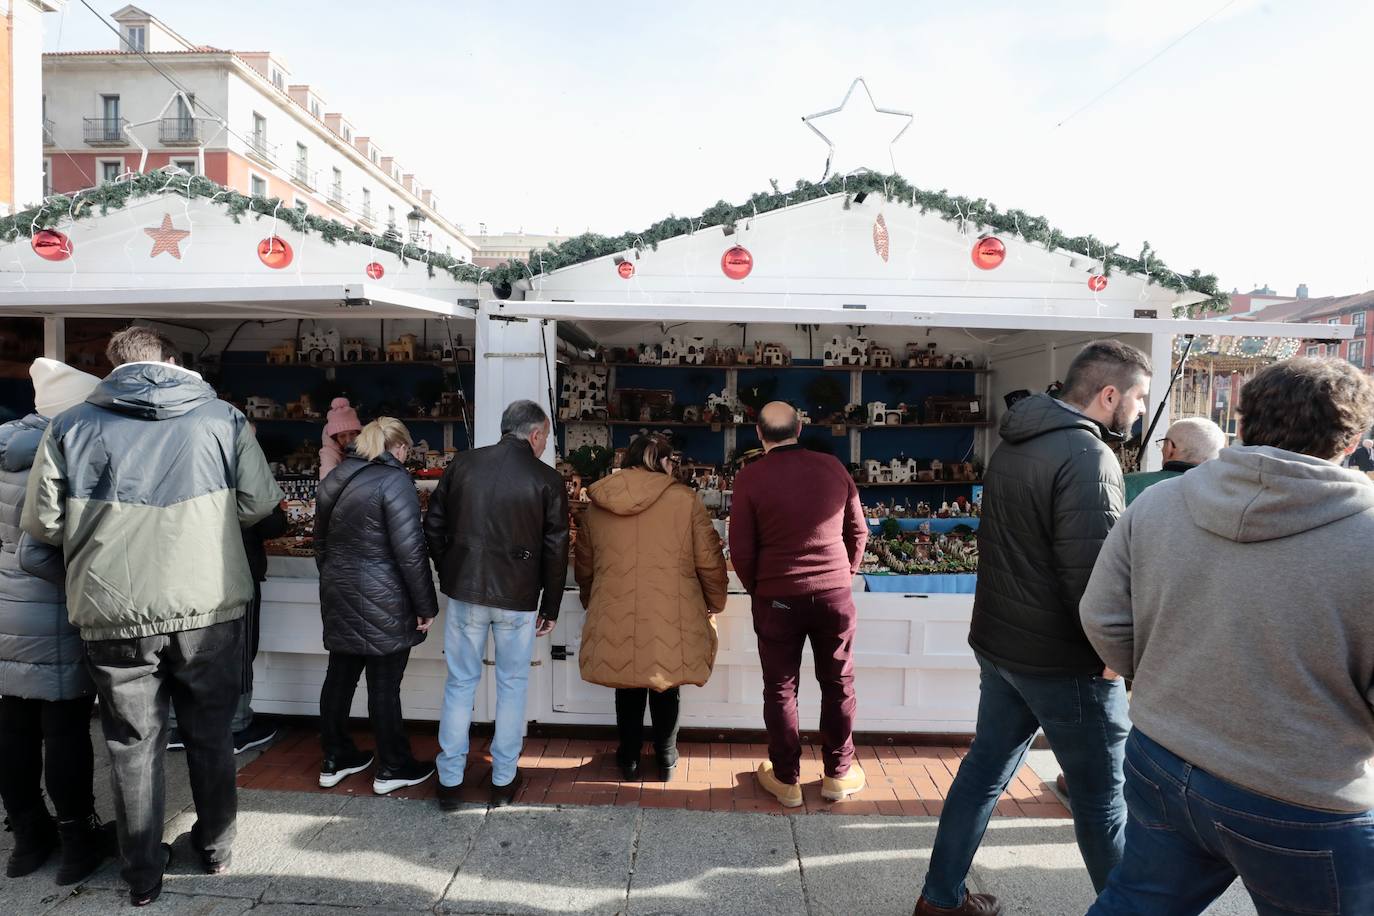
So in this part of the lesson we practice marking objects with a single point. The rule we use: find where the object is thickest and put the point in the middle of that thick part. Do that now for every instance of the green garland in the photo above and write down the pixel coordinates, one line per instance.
(589, 246)
(115, 195)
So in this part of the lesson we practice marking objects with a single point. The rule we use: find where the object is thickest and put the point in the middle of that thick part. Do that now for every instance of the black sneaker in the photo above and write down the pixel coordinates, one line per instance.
(336, 770)
(408, 774)
(256, 734)
(174, 742)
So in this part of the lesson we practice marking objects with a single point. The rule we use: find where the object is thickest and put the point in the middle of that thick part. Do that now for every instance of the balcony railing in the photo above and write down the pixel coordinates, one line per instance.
(337, 197)
(182, 131)
(260, 149)
(105, 132)
(48, 128)
(367, 215)
(302, 175)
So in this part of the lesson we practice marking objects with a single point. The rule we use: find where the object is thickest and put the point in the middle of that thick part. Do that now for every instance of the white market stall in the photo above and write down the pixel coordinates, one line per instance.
(780, 287)
(817, 269)
(228, 297)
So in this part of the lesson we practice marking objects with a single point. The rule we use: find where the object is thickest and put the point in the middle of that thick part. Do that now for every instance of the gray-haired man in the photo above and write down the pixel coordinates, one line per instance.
(498, 532)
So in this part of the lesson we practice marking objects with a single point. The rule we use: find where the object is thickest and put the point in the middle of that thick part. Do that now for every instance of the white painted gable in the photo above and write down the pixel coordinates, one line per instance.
(113, 251)
(820, 254)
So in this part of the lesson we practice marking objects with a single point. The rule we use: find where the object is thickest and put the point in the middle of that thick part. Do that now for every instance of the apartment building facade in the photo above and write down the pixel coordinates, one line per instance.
(239, 118)
(1346, 310)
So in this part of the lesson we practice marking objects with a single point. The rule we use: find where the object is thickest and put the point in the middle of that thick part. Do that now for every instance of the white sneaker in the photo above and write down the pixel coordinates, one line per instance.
(410, 774)
(333, 772)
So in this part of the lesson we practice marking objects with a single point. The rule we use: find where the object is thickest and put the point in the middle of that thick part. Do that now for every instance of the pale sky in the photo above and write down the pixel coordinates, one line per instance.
(1244, 150)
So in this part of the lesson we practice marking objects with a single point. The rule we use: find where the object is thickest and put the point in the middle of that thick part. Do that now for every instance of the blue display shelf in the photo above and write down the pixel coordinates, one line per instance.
(945, 584)
(937, 525)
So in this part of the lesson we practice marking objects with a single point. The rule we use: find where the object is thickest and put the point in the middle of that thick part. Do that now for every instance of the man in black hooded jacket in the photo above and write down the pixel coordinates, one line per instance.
(1052, 492)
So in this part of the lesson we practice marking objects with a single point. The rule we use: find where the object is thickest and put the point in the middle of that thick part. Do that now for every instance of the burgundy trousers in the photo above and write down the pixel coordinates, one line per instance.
(783, 625)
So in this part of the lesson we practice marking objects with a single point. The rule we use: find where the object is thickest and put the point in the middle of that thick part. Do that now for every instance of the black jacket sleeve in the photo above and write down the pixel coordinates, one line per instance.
(436, 517)
(554, 563)
(42, 560)
(401, 509)
(1089, 496)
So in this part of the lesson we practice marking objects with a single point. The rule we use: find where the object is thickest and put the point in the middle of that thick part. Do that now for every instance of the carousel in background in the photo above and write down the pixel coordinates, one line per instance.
(1215, 368)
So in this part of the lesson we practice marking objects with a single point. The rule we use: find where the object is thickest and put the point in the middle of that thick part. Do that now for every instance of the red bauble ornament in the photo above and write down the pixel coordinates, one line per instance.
(51, 245)
(737, 262)
(275, 252)
(375, 271)
(1097, 283)
(625, 269)
(989, 253)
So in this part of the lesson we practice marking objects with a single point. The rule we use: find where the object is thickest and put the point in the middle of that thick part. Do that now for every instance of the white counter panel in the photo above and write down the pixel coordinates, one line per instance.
(914, 671)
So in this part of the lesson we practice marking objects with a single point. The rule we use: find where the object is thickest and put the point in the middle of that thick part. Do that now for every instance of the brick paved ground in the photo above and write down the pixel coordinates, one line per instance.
(903, 780)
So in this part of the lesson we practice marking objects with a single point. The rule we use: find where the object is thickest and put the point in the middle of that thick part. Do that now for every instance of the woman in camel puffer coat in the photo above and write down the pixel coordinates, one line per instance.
(651, 572)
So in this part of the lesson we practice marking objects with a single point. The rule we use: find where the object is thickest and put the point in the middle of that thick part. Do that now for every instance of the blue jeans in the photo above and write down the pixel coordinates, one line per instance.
(1190, 834)
(1085, 720)
(465, 643)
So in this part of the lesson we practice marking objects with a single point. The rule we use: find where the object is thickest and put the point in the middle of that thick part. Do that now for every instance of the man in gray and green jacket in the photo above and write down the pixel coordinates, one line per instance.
(146, 487)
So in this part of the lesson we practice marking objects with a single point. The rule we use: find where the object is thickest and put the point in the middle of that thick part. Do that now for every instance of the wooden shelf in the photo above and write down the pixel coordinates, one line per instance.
(970, 423)
(778, 368)
(675, 423)
(409, 362)
(926, 483)
(321, 421)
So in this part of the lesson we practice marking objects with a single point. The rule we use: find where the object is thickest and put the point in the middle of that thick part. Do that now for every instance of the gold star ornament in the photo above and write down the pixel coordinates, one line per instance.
(165, 238)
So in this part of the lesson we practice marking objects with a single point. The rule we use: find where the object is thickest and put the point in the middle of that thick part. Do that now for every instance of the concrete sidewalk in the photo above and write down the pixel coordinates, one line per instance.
(307, 853)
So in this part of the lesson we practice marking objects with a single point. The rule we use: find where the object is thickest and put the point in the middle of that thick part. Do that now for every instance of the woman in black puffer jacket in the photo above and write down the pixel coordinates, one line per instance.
(377, 601)
(46, 696)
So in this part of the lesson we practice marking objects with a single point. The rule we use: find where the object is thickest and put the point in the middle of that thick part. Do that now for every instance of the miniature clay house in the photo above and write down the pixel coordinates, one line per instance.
(352, 349)
(283, 355)
(402, 349)
(320, 347)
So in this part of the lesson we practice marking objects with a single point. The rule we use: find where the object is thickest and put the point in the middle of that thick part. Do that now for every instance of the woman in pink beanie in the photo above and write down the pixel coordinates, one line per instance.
(339, 432)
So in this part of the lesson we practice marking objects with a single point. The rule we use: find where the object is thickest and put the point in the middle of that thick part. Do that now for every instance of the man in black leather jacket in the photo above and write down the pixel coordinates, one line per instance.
(1052, 491)
(497, 528)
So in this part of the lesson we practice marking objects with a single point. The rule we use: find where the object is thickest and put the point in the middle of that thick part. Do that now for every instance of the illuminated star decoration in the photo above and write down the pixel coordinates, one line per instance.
(906, 116)
(167, 239)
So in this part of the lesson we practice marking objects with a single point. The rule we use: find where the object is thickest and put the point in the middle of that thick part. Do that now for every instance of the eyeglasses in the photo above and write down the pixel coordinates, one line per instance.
(1160, 442)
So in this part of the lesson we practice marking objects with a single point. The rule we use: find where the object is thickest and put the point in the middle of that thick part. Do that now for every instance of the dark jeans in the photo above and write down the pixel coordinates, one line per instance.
(1086, 722)
(1190, 834)
(384, 673)
(138, 680)
(629, 719)
(63, 729)
(783, 626)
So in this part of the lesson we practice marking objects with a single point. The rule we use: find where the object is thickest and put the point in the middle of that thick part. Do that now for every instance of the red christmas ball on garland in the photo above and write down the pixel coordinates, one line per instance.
(625, 269)
(275, 252)
(51, 245)
(737, 262)
(1097, 283)
(375, 271)
(989, 252)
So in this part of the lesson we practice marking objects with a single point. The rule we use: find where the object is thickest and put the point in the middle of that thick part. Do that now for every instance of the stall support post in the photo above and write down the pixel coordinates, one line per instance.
(55, 338)
(1161, 358)
(515, 361)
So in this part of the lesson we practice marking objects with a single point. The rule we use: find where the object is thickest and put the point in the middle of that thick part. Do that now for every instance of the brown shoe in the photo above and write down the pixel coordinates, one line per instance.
(838, 788)
(789, 796)
(450, 797)
(501, 796)
(973, 905)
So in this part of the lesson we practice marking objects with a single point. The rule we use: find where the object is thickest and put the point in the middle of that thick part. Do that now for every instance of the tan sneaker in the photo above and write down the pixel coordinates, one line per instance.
(840, 788)
(787, 796)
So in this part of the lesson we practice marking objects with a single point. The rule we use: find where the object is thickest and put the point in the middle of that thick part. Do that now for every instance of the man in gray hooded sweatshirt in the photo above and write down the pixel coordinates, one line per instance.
(1238, 596)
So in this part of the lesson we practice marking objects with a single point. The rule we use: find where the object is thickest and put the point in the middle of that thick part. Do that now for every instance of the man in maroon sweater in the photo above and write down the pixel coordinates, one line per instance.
(797, 535)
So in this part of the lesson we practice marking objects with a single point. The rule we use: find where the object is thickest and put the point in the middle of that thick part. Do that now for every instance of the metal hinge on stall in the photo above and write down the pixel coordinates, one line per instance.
(560, 653)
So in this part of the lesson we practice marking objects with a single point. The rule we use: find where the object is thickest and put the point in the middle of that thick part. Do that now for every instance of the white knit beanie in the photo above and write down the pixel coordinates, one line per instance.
(57, 386)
